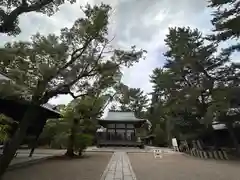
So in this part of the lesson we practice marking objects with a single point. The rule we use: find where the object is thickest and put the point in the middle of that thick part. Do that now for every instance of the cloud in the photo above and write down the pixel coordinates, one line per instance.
(143, 23)
(31, 23)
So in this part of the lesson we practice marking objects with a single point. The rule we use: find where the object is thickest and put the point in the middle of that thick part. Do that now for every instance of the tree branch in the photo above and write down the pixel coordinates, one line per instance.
(77, 96)
(24, 2)
(8, 20)
(65, 88)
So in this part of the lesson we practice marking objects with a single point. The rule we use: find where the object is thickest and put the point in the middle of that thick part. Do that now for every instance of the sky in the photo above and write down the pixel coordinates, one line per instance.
(143, 23)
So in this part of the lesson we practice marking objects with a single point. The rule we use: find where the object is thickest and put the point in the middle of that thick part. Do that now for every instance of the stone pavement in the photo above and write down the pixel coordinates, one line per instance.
(119, 168)
(128, 149)
(179, 166)
(39, 155)
(90, 167)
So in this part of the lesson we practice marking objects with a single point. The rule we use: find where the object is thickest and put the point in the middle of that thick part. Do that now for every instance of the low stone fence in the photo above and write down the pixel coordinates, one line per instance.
(215, 154)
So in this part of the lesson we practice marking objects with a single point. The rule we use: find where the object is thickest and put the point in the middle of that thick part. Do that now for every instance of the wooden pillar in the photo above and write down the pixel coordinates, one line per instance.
(125, 134)
(115, 128)
(106, 137)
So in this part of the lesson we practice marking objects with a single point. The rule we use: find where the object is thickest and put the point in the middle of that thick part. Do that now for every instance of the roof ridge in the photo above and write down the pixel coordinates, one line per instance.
(119, 111)
(121, 116)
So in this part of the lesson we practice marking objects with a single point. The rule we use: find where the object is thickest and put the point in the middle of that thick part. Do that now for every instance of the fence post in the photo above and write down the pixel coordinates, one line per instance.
(210, 154)
(225, 155)
(220, 154)
(205, 155)
(215, 153)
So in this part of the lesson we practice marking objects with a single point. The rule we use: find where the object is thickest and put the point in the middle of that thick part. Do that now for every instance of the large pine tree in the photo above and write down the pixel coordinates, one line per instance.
(194, 77)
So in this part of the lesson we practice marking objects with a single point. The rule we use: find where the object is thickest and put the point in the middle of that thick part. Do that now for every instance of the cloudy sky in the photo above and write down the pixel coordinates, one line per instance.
(143, 23)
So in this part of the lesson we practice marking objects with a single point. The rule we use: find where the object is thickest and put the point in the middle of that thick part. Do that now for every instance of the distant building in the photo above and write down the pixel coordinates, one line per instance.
(119, 129)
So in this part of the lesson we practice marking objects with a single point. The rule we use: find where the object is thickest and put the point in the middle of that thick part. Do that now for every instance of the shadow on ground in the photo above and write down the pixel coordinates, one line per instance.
(90, 167)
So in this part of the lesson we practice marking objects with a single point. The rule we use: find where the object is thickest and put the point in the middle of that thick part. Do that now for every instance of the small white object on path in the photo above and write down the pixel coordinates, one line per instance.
(119, 168)
(157, 153)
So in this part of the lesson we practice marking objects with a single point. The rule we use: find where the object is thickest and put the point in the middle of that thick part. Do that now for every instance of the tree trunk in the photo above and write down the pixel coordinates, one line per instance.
(80, 152)
(71, 139)
(169, 133)
(14, 143)
(70, 150)
(233, 137)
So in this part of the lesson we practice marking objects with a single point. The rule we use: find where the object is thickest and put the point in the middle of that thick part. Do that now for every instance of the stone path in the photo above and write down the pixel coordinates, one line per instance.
(90, 167)
(39, 155)
(119, 168)
(178, 166)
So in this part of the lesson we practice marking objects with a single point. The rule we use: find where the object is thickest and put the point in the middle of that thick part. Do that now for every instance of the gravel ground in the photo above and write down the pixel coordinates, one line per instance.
(90, 167)
(182, 167)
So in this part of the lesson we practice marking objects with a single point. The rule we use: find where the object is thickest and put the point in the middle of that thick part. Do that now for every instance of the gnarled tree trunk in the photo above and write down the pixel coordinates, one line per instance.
(30, 114)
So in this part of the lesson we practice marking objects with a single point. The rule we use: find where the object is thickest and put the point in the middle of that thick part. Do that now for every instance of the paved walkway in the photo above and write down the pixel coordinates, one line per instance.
(22, 158)
(119, 168)
(182, 167)
(90, 167)
(127, 149)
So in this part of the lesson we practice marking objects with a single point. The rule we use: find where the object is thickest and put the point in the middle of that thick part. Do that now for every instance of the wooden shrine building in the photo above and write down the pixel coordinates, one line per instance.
(119, 129)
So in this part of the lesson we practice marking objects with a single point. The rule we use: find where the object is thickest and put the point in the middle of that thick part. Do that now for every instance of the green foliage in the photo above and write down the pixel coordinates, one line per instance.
(60, 140)
(160, 136)
(5, 127)
(82, 141)
(195, 86)
(54, 132)
(226, 20)
(51, 65)
(79, 117)
(3, 130)
(10, 10)
(80, 62)
(132, 99)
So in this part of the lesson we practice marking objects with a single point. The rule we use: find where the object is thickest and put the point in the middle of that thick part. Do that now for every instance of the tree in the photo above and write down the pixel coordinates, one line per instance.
(52, 128)
(226, 20)
(81, 116)
(185, 87)
(48, 66)
(77, 126)
(10, 10)
(82, 142)
(133, 99)
(160, 136)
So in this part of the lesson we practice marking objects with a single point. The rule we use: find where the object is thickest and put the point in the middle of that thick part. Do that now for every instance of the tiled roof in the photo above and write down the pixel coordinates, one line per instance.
(50, 107)
(2, 77)
(46, 106)
(121, 116)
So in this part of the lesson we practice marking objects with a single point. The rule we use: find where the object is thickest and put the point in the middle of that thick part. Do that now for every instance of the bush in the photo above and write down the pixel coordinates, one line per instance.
(60, 141)
(82, 141)
(6, 126)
